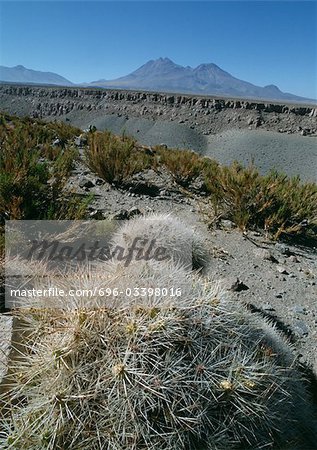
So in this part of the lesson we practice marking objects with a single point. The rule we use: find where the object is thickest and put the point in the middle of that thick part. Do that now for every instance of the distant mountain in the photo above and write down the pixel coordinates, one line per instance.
(20, 74)
(207, 79)
(164, 75)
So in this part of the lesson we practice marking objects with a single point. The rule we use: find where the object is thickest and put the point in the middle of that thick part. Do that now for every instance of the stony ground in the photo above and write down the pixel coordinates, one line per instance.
(273, 279)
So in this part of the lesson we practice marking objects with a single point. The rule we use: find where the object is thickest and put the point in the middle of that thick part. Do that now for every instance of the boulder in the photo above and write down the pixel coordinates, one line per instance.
(265, 254)
(282, 270)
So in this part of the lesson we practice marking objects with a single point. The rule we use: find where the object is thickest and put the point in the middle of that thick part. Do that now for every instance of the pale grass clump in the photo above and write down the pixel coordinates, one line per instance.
(199, 374)
(151, 371)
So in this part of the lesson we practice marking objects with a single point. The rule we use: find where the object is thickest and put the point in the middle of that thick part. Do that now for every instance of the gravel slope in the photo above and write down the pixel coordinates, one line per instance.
(291, 154)
(287, 153)
(153, 132)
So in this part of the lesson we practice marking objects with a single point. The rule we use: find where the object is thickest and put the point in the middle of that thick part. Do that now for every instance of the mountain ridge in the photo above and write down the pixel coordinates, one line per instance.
(20, 74)
(164, 75)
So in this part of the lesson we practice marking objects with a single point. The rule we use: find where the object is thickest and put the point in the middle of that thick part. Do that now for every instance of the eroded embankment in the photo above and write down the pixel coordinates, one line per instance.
(273, 135)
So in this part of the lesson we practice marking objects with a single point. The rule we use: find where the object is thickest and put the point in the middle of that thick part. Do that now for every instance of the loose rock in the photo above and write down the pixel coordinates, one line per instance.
(233, 284)
(85, 183)
(282, 270)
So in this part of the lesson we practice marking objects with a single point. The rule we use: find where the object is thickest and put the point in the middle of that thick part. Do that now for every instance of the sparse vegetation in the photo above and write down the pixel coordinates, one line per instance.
(280, 205)
(276, 203)
(115, 158)
(33, 170)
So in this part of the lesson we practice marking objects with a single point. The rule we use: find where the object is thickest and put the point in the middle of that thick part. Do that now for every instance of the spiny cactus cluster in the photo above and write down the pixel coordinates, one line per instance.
(183, 244)
(195, 372)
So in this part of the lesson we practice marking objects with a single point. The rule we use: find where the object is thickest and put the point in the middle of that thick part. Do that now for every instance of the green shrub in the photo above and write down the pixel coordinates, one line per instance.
(68, 207)
(295, 203)
(64, 162)
(184, 165)
(38, 131)
(273, 202)
(115, 158)
(33, 172)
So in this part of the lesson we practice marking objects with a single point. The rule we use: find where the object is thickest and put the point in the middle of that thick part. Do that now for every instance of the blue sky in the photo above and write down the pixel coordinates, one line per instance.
(267, 42)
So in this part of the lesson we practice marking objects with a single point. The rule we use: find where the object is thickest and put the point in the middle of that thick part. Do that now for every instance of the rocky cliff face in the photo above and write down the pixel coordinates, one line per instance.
(207, 114)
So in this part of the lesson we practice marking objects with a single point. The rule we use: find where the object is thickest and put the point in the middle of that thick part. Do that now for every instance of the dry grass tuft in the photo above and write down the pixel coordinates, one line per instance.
(33, 172)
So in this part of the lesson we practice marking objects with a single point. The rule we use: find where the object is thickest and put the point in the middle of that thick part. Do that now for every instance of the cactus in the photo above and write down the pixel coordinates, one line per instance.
(154, 371)
(197, 372)
(183, 245)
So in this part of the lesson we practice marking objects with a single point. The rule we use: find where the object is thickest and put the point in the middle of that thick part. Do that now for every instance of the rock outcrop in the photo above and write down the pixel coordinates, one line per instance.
(71, 103)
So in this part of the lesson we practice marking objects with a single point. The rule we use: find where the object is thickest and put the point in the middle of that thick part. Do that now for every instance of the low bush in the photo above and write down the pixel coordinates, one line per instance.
(184, 165)
(276, 203)
(33, 171)
(115, 158)
(295, 209)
